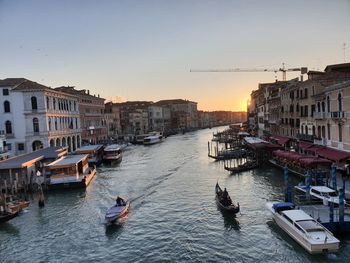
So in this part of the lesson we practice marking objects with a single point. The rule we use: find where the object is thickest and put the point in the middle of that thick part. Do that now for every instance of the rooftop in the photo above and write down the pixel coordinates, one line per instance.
(67, 161)
(297, 215)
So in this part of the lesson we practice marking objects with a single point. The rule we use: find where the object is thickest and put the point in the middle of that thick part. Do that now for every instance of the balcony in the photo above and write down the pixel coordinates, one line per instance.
(337, 114)
(321, 115)
(320, 141)
(306, 137)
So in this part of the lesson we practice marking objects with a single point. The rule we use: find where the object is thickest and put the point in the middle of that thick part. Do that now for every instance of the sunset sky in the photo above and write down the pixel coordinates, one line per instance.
(144, 50)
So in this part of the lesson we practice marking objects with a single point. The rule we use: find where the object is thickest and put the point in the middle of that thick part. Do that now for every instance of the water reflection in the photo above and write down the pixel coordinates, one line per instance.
(9, 228)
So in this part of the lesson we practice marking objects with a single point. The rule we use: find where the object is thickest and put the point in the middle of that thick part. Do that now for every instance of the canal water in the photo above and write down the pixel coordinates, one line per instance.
(173, 216)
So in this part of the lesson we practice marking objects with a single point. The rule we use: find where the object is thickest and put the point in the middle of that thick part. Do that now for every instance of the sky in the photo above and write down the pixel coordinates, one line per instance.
(144, 50)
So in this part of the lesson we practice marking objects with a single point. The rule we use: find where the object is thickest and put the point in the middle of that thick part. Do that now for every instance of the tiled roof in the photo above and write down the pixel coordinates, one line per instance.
(11, 82)
(29, 85)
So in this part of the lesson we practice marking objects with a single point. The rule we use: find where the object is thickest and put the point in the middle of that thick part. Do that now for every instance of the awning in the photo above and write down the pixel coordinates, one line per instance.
(305, 145)
(280, 139)
(314, 148)
(332, 154)
(312, 162)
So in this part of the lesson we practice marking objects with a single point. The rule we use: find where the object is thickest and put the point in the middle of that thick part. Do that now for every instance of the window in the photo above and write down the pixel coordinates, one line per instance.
(323, 107)
(329, 131)
(313, 130)
(54, 103)
(323, 132)
(340, 133)
(47, 103)
(319, 131)
(34, 103)
(328, 104)
(306, 110)
(305, 93)
(8, 127)
(340, 106)
(20, 147)
(313, 109)
(35, 125)
(9, 146)
(7, 106)
(319, 107)
(74, 105)
(297, 108)
(5, 92)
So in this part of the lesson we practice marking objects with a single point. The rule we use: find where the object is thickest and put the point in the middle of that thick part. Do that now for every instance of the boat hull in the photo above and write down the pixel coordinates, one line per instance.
(230, 209)
(6, 217)
(112, 216)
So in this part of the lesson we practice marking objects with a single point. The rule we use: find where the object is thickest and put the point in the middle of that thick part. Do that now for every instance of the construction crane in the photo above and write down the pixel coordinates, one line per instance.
(284, 70)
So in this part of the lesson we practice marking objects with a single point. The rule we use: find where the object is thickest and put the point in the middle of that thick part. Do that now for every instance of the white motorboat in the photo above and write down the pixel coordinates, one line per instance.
(116, 212)
(321, 193)
(112, 154)
(153, 139)
(305, 230)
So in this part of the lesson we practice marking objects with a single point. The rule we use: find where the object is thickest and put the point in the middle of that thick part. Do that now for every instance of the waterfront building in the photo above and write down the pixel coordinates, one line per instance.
(91, 109)
(112, 117)
(156, 118)
(36, 116)
(138, 122)
(184, 113)
(3, 148)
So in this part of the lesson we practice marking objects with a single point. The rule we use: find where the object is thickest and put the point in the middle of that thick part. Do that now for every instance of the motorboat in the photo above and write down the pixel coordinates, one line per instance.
(153, 139)
(112, 154)
(325, 194)
(95, 153)
(117, 211)
(225, 204)
(70, 171)
(305, 230)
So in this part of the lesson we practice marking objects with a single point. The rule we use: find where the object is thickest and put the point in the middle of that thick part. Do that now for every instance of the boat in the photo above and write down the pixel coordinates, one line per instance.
(116, 212)
(232, 208)
(153, 139)
(305, 230)
(6, 216)
(139, 138)
(95, 153)
(249, 165)
(112, 154)
(70, 171)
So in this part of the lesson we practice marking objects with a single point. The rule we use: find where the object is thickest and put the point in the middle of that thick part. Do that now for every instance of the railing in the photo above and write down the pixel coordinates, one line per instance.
(337, 114)
(321, 115)
(320, 141)
(306, 137)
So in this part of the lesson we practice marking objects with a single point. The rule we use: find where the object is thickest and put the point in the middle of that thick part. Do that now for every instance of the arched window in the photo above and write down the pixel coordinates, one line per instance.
(328, 104)
(54, 103)
(323, 107)
(55, 123)
(319, 131)
(7, 107)
(74, 105)
(323, 131)
(34, 103)
(35, 125)
(49, 123)
(340, 106)
(297, 108)
(340, 132)
(291, 108)
(47, 103)
(305, 92)
(319, 107)
(8, 127)
(313, 130)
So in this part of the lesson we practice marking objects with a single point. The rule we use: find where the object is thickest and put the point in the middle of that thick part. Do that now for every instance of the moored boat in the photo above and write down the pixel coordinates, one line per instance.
(70, 171)
(95, 153)
(112, 154)
(117, 211)
(153, 139)
(224, 202)
(6, 216)
(305, 230)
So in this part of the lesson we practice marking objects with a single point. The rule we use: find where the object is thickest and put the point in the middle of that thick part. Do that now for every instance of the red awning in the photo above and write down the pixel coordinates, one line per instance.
(314, 148)
(312, 162)
(280, 139)
(332, 154)
(305, 145)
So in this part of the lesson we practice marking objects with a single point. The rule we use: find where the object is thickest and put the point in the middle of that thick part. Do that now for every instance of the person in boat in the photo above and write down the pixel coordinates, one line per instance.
(225, 198)
(120, 201)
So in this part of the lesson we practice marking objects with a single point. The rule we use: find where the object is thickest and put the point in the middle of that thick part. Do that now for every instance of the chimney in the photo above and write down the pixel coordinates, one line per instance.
(301, 78)
(98, 95)
(88, 92)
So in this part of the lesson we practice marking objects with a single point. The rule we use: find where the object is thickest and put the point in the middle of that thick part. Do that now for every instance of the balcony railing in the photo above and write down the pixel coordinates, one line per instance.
(306, 137)
(321, 115)
(337, 114)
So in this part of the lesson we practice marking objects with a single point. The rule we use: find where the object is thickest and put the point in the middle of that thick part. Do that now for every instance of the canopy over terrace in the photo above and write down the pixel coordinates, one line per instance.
(23, 165)
(303, 160)
(332, 154)
(281, 140)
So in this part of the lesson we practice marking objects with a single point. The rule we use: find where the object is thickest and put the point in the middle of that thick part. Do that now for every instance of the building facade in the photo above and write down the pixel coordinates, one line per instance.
(36, 116)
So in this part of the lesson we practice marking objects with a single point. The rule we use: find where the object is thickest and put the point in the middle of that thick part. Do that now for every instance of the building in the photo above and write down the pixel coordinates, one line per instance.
(156, 118)
(91, 109)
(36, 116)
(112, 117)
(184, 113)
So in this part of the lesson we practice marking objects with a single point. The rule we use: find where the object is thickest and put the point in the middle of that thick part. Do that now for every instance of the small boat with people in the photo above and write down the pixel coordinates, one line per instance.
(118, 210)
(112, 154)
(305, 230)
(224, 201)
(95, 153)
(70, 171)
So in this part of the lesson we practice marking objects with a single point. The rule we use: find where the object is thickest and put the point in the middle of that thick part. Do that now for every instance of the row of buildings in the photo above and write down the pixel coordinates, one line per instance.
(314, 111)
(35, 116)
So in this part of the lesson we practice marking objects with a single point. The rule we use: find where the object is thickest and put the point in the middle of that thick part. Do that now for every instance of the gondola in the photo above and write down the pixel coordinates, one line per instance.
(232, 208)
(6, 216)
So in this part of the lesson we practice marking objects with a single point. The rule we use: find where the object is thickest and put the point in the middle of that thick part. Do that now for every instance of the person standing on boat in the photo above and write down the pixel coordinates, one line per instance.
(225, 197)
(120, 201)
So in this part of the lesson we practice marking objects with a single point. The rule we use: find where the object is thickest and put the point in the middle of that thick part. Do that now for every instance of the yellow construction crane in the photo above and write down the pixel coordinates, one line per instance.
(303, 70)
